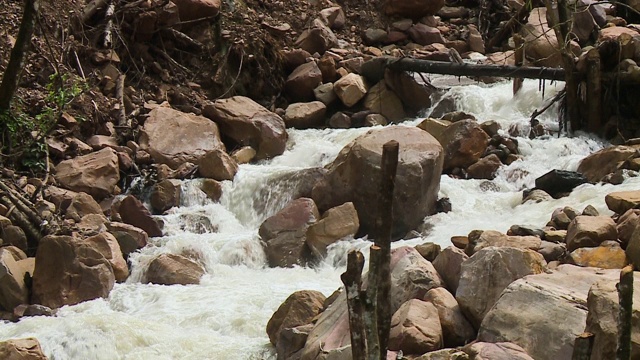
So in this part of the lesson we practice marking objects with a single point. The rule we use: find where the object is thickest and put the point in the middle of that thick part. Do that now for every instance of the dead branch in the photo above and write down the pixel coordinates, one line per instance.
(107, 37)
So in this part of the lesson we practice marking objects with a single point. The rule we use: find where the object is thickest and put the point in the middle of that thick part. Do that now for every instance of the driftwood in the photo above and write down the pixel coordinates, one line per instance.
(19, 51)
(122, 114)
(509, 27)
(472, 70)
(352, 280)
(107, 36)
(519, 53)
(625, 294)
(21, 213)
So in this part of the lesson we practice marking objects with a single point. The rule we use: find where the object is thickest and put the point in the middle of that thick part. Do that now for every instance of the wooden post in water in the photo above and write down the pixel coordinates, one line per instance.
(352, 280)
(519, 42)
(625, 294)
(594, 91)
(582, 346)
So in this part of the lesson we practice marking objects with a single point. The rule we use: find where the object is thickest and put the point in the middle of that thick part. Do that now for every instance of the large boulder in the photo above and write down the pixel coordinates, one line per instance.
(249, 123)
(165, 195)
(171, 269)
(464, 142)
(305, 115)
(488, 272)
(601, 163)
(557, 183)
(129, 237)
(626, 224)
(603, 316)
(291, 341)
(354, 176)
(415, 95)
(380, 99)
(69, 271)
(302, 81)
(350, 89)
(544, 313)
(609, 255)
(497, 351)
(96, 173)
(285, 233)
(298, 309)
(109, 247)
(336, 223)
(413, 9)
(590, 231)
(415, 328)
(318, 38)
(448, 264)
(542, 44)
(81, 205)
(173, 137)
(456, 329)
(133, 212)
(13, 290)
(21, 349)
(217, 165)
(479, 240)
(411, 277)
(621, 201)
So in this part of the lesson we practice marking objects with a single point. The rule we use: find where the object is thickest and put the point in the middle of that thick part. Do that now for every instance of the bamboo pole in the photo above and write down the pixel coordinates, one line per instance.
(582, 346)
(18, 55)
(625, 294)
(594, 91)
(352, 280)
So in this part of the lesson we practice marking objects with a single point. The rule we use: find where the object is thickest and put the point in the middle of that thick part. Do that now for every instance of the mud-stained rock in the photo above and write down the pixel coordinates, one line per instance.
(21, 349)
(355, 174)
(285, 233)
(415, 328)
(249, 124)
(96, 173)
(171, 269)
(174, 138)
(298, 309)
(69, 271)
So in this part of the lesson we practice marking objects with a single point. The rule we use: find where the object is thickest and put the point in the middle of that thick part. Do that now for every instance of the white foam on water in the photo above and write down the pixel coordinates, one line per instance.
(226, 315)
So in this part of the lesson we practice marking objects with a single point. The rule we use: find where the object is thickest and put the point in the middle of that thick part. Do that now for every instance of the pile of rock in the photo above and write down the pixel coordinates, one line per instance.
(492, 294)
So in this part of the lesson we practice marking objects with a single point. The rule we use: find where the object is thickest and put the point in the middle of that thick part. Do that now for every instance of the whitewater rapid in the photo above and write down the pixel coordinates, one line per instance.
(225, 316)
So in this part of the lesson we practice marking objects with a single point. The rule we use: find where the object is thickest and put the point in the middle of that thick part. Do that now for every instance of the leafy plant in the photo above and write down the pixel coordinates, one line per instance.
(23, 135)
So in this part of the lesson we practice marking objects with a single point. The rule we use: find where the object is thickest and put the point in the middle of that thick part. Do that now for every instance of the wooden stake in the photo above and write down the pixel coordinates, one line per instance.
(625, 294)
(594, 91)
(583, 346)
(519, 53)
(352, 280)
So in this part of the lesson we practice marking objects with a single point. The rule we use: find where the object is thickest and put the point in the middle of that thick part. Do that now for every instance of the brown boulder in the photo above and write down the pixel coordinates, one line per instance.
(482, 239)
(318, 38)
(413, 9)
(109, 247)
(350, 89)
(590, 231)
(626, 224)
(291, 341)
(21, 349)
(173, 137)
(336, 223)
(285, 233)
(170, 269)
(380, 99)
(425, 35)
(301, 82)
(96, 173)
(249, 124)
(485, 168)
(542, 44)
(298, 309)
(601, 163)
(133, 212)
(448, 264)
(81, 205)
(217, 165)
(13, 290)
(414, 95)
(69, 271)
(434, 127)
(609, 255)
(621, 201)
(165, 195)
(14, 236)
(355, 174)
(305, 115)
(463, 142)
(415, 328)
(456, 329)
(129, 237)
(496, 351)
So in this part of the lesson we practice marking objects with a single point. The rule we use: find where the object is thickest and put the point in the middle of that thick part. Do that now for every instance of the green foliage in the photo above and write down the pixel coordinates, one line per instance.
(23, 135)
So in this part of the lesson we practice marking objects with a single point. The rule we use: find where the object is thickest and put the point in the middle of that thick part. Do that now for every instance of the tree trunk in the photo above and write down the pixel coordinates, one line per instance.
(16, 64)
(594, 91)
(352, 280)
(625, 294)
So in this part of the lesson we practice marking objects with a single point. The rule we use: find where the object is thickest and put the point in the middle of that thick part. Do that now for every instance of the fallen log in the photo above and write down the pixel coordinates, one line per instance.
(373, 66)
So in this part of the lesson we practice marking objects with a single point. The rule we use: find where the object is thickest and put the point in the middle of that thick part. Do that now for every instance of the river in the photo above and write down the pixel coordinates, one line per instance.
(225, 316)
